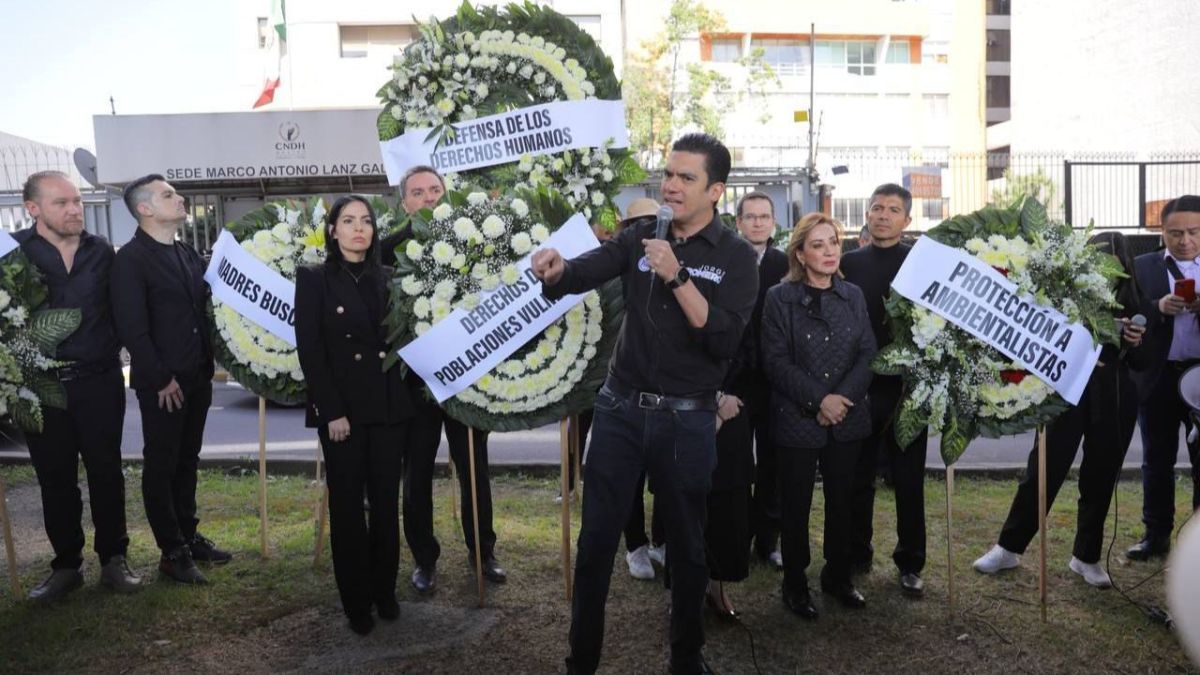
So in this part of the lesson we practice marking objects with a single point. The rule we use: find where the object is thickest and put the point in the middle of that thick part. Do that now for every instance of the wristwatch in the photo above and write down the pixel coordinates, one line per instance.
(682, 276)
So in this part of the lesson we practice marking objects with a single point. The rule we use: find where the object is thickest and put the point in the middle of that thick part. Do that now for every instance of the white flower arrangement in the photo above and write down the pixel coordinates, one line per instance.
(288, 235)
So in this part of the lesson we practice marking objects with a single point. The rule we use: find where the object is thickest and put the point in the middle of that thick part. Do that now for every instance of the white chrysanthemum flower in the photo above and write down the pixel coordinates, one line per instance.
(421, 328)
(443, 211)
(414, 250)
(597, 198)
(445, 289)
(519, 207)
(540, 233)
(421, 308)
(462, 60)
(493, 226)
(445, 106)
(477, 198)
(526, 71)
(443, 253)
(411, 285)
(464, 229)
(509, 275)
(521, 243)
(282, 232)
(490, 282)
(479, 270)
(5, 298)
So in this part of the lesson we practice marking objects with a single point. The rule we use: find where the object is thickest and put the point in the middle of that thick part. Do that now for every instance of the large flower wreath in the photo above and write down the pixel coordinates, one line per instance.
(283, 235)
(469, 245)
(28, 338)
(959, 386)
(484, 61)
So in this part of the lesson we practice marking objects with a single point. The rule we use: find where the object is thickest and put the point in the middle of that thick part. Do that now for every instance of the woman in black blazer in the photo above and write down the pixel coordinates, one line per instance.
(817, 346)
(357, 407)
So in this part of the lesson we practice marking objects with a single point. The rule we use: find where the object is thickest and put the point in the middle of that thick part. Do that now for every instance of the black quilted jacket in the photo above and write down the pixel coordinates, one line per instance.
(809, 355)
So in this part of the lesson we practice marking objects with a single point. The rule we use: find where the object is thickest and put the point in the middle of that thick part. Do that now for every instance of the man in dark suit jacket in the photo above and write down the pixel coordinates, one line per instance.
(158, 300)
(1173, 346)
(756, 223)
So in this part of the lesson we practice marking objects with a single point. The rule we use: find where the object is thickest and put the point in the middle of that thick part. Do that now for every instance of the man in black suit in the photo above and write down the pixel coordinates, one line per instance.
(158, 301)
(421, 188)
(872, 268)
(1173, 343)
(75, 265)
(756, 223)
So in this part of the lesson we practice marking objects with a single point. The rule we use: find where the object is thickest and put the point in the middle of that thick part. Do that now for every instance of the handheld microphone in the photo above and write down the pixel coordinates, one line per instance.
(664, 217)
(1136, 320)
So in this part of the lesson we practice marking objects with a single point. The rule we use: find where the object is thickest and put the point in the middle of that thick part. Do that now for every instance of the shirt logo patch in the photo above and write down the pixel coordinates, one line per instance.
(709, 272)
(644, 264)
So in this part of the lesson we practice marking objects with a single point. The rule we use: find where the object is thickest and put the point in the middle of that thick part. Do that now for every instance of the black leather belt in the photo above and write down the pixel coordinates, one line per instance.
(68, 373)
(651, 401)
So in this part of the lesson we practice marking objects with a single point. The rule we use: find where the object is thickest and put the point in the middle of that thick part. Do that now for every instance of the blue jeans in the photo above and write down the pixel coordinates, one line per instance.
(677, 450)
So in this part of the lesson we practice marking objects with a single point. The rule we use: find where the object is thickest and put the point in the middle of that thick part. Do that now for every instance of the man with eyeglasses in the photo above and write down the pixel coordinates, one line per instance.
(159, 301)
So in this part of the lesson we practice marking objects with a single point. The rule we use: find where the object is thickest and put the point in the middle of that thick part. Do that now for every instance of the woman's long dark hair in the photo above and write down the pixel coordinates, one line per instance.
(1128, 294)
(333, 253)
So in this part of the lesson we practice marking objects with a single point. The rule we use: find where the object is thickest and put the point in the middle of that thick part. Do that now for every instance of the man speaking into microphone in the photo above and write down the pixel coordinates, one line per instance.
(688, 297)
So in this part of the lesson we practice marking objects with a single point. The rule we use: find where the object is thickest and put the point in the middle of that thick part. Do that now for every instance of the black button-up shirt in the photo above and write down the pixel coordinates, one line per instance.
(85, 287)
(658, 350)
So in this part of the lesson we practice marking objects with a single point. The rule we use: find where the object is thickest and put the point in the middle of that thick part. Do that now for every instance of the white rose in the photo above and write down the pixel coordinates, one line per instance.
(443, 211)
(493, 226)
(521, 243)
(464, 228)
(539, 232)
(519, 207)
(477, 198)
(414, 250)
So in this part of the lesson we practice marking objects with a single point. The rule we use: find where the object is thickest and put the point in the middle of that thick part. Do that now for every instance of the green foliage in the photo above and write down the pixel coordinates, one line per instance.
(1037, 185)
(47, 328)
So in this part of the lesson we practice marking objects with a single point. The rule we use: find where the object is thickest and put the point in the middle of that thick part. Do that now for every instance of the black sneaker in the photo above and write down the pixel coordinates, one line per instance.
(205, 551)
(179, 566)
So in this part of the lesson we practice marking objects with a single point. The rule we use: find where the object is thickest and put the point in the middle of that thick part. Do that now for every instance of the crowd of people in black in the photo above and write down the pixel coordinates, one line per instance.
(742, 373)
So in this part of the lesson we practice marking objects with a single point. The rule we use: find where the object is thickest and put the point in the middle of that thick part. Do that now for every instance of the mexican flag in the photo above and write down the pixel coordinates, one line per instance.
(273, 52)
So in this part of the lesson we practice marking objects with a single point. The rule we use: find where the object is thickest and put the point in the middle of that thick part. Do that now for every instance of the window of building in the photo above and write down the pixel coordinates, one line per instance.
(936, 210)
(999, 45)
(590, 23)
(998, 7)
(997, 162)
(787, 57)
(851, 211)
(262, 32)
(856, 56)
(998, 91)
(898, 52)
(359, 42)
(726, 50)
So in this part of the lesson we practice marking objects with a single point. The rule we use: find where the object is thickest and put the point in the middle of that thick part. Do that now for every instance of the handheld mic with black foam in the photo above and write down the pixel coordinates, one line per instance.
(1136, 320)
(664, 217)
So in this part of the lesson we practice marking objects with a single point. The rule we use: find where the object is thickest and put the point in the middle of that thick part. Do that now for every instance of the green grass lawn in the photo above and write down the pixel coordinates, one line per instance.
(279, 614)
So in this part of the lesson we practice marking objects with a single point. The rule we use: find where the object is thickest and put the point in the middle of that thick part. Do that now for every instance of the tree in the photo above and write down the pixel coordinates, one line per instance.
(665, 94)
(1038, 185)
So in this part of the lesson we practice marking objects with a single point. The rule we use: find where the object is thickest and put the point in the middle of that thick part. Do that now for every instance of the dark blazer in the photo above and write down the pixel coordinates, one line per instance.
(1150, 269)
(808, 356)
(161, 318)
(341, 352)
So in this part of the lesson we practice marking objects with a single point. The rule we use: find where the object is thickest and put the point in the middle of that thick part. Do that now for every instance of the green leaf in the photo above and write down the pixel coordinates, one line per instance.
(909, 424)
(49, 390)
(389, 127)
(607, 218)
(627, 171)
(49, 327)
(1033, 215)
(26, 415)
(879, 363)
(954, 442)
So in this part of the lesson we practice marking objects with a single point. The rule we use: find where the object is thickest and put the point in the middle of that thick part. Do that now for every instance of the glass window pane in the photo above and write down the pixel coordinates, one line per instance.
(898, 53)
(726, 50)
(868, 52)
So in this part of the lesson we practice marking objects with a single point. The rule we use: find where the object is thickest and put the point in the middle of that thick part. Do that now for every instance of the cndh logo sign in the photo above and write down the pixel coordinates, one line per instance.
(289, 145)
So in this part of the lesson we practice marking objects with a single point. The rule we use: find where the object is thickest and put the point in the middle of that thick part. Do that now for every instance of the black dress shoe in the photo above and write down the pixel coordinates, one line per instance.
(424, 579)
(388, 609)
(57, 585)
(912, 585)
(205, 551)
(845, 593)
(179, 566)
(800, 603)
(492, 571)
(361, 623)
(1149, 548)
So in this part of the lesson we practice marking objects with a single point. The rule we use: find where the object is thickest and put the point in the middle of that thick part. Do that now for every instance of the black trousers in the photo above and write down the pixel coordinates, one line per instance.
(1159, 418)
(1106, 432)
(90, 428)
(171, 455)
(764, 508)
(797, 476)
(366, 551)
(677, 450)
(726, 537)
(908, 480)
(422, 437)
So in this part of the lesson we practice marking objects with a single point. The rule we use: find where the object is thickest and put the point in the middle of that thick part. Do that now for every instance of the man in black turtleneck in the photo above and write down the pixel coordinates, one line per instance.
(872, 269)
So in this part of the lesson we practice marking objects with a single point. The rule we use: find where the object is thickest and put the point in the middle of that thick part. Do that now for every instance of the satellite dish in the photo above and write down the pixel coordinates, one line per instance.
(85, 162)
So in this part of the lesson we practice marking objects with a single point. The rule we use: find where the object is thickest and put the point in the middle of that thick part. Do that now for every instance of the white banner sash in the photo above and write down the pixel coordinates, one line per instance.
(506, 137)
(260, 294)
(465, 346)
(980, 300)
(7, 243)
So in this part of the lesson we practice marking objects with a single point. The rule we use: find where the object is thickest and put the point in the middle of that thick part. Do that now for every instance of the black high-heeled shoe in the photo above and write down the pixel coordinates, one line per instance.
(719, 608)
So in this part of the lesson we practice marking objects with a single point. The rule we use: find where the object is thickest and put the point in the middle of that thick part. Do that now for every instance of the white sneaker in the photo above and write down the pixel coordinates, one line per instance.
(658, 554)
(999, 558)
(776, 559)
(639, 563)
(1092, 573)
